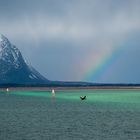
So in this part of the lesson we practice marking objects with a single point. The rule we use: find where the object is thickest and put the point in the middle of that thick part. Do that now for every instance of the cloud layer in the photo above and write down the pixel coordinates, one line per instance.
(77, 26)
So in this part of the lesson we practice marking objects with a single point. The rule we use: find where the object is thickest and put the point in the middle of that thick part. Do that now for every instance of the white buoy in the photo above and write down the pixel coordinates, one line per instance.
(53, 93)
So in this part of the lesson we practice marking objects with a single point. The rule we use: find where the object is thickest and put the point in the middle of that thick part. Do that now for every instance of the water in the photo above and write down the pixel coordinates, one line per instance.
(105, 115)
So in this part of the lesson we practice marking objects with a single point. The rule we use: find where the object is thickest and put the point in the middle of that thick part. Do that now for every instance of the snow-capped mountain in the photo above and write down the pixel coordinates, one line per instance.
(13, 68)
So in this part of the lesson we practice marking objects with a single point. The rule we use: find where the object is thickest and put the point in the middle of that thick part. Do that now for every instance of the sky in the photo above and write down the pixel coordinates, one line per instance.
(76, 40)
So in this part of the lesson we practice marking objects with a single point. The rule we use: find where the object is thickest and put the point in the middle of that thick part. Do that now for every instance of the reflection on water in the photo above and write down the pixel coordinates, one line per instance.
(39, 118)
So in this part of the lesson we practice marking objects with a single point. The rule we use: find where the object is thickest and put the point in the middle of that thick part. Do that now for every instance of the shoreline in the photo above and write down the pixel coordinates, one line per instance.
(72, 88)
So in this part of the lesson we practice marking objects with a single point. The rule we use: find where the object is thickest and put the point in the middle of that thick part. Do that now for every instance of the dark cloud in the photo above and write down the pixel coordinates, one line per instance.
(67, 32)
(18, 8)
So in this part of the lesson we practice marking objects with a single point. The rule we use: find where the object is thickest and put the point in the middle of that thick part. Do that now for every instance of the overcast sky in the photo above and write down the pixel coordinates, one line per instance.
(76, 39)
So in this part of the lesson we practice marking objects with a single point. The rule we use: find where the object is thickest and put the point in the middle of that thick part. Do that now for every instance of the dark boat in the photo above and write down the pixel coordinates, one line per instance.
(82, 97)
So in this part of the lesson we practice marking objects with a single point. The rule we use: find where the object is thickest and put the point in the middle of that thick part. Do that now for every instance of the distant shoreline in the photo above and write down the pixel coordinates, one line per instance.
(71, 88)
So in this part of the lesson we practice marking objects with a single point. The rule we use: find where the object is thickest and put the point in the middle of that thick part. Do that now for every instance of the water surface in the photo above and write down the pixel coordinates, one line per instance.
(105, 115)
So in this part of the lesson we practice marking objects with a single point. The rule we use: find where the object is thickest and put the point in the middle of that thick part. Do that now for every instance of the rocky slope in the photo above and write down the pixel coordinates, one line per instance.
(14, 69)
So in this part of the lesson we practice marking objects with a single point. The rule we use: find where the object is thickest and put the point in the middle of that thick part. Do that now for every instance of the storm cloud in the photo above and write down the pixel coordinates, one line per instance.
(57, 36)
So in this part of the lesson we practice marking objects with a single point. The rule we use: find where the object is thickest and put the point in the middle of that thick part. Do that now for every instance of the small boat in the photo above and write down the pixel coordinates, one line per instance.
(53, 93)
(82, 97)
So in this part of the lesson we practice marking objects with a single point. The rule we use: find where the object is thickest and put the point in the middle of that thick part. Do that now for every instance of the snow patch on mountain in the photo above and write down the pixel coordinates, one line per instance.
(13, 68)
(32, 76)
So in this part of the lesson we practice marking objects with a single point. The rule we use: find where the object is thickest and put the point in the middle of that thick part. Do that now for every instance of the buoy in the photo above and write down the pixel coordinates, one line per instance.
(53, 93)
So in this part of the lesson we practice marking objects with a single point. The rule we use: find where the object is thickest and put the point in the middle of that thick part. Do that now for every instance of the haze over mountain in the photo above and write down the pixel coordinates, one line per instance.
(13, 67)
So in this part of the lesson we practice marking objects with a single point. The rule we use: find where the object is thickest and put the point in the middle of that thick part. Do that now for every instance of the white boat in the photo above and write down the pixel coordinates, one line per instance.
(53, 93)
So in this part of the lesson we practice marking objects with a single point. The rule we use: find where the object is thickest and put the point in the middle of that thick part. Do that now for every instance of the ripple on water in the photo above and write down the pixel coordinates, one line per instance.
(40, 118)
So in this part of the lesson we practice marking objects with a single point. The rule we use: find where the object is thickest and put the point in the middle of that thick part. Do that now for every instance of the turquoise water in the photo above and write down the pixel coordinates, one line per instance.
(117, 96)
(104, 115)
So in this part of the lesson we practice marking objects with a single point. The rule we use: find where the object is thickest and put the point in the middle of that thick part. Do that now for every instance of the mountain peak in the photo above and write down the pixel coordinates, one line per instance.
(3, 42)
(14, 69)
(2, 37)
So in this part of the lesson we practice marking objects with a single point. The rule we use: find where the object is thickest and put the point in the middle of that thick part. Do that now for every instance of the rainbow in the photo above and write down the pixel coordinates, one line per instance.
(102, 64)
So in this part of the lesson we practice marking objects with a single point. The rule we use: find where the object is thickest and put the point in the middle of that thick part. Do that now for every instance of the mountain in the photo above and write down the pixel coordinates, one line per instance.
(14, 69)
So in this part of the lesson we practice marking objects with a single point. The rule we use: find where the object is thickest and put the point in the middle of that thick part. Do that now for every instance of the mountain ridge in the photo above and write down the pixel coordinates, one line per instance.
(14, 69)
